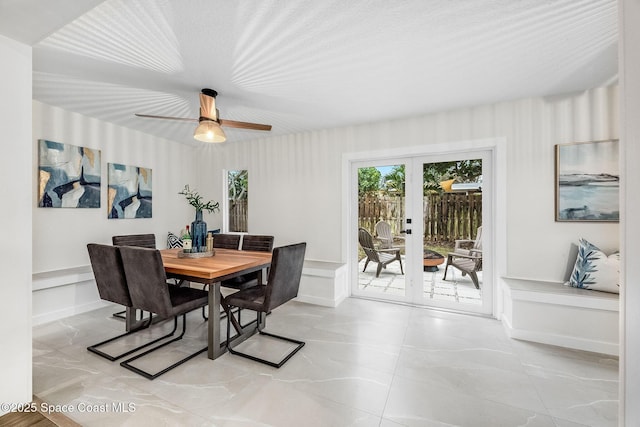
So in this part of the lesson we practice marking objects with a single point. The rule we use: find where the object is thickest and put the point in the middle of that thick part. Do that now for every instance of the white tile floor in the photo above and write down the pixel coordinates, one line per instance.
(366, 363)
(457, 288)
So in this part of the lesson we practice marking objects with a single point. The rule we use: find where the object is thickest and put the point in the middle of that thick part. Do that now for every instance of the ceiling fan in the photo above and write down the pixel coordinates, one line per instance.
(209, 123)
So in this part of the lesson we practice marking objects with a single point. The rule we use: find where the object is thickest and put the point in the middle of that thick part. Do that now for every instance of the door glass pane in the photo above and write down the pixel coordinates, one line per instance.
(238, 200)
(452, 243)
(381, 213)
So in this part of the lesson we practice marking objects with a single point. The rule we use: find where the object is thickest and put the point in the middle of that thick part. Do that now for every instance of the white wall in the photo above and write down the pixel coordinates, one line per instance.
(60, 236)
(15, 216)
(295, 182)
(629, 11)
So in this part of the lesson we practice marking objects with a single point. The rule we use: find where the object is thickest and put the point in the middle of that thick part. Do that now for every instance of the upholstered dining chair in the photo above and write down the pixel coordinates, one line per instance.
(139, 240)
(112, 286)
(382, 257)
(149, 290)
(226, 241)
(282, 286)
(250, 242)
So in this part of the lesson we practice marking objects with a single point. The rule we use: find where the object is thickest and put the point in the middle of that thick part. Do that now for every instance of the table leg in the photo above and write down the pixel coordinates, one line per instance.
(213, 326)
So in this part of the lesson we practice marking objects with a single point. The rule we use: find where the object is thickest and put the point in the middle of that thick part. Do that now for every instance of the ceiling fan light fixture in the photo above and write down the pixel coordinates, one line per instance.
(209, 131)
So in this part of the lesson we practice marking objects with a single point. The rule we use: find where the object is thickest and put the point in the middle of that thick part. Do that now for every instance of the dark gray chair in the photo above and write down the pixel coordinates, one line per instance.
(149, 290)
(282, 286)
(139, 240)
(226, 241)
(112, 286)
(250, 243)
(382, 257)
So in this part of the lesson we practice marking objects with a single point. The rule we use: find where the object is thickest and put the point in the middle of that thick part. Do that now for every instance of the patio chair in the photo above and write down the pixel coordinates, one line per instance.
(383, 234)
(467, 257)
(469, 246)
(382, 257)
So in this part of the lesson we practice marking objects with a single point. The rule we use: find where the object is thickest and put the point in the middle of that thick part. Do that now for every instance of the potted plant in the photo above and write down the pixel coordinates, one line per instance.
(198, 226)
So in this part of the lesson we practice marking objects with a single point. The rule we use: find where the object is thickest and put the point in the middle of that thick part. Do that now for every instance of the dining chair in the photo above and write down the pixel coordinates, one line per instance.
(282, 286)
(250, 242)
(226, 241)
(112, 286)
(141, 240)
(149, 290)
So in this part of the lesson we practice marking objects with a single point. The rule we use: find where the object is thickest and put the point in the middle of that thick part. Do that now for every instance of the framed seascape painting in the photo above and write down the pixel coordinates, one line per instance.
(68, 176)
(130, 191)
(587, 181)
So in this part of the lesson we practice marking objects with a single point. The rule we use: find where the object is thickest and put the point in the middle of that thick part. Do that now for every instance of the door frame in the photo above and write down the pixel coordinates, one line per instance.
(497, 222)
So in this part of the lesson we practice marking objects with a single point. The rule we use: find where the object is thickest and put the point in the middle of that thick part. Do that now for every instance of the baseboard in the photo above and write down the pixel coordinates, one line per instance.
(561, 340)
(69, 311)
(325, 302)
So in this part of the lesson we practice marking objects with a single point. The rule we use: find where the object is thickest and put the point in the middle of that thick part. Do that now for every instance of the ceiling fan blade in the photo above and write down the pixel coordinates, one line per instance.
(184, 119)
(243, 125)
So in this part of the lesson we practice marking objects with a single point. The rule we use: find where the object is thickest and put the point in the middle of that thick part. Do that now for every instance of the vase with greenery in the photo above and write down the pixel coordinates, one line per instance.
(198, 226)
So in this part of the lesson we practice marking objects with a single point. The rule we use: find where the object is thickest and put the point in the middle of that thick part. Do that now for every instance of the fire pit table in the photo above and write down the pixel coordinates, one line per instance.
(432, 260)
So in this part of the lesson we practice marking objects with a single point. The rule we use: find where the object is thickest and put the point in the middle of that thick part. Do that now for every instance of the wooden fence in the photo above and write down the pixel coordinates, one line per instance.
(238, 215)
(447, 216)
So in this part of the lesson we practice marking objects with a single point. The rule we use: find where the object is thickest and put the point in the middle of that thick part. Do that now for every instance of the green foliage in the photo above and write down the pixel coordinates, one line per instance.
(462, 171)
(394, 181)
(238, 185)
(368, 180)
(195, 200)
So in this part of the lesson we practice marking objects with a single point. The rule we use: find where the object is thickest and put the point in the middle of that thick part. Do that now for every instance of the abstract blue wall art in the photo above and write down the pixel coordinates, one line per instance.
(68, 176)
(588, 181)
(130, 192)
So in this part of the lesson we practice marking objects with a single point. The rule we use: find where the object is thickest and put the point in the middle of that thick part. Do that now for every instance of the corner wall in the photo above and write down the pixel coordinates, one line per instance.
(15, 216)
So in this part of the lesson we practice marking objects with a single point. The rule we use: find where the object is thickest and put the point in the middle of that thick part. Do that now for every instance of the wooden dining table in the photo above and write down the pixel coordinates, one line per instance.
(225, 264)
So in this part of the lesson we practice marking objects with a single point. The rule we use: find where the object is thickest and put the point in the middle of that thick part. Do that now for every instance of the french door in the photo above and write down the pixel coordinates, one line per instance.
(423, 223)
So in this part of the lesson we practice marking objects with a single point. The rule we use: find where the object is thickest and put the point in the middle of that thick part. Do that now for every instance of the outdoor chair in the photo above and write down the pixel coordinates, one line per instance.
(382, 257)
(149, 290)
(467, 264)
(281, 287)
(384, 235)
(469, 246)
(226, 241)
(112, 286)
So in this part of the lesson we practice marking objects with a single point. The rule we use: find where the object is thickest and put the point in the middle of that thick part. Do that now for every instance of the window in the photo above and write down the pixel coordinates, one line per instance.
(238, 197)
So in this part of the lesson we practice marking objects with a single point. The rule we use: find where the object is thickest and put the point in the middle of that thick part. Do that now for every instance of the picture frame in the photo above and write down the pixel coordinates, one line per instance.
(587, 181)
(130, 192)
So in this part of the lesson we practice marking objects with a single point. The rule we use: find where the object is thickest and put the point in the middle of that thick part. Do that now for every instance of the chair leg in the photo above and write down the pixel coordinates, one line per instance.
(127, 363)
(94, 348)
(446, 268)
(379, 269)
(400, 261)
(366, 263)
(260, 321)
(474, 279)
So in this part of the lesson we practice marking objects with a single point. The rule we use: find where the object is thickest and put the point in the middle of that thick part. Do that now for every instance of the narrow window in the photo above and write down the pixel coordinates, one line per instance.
(238, 200)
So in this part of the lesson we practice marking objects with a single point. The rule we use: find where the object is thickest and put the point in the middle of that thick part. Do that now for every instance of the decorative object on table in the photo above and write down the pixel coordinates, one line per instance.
(587, 181)
(209, 242)
(595, 270)
(173, 241)
(187, 243)
(68, 176)
(130, 191)
(198, 226)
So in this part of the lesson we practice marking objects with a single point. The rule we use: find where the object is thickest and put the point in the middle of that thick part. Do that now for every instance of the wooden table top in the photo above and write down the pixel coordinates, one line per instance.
(225, 263)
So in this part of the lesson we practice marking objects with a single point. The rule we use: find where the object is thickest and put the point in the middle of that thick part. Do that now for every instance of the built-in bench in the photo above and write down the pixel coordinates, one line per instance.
(323, 283)
(61, 293)
(552, 313)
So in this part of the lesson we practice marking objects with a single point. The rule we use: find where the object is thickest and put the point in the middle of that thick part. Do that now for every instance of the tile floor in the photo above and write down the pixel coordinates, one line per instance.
(366, 363)
(457, 288)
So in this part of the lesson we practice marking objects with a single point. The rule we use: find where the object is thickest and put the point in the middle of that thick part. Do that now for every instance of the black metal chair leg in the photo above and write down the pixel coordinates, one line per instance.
(127, 363)
(299, 345)
(94, 348)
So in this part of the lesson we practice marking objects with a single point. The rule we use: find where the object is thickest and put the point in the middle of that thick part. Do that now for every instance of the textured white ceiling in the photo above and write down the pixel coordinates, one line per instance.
(305, 64)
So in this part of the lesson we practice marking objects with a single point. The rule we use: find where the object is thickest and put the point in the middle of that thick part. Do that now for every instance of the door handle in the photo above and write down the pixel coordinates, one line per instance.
(406, 231)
